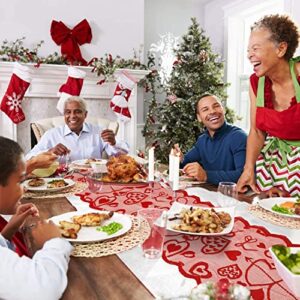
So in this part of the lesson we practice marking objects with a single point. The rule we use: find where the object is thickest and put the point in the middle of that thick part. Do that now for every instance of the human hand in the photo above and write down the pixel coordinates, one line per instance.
(196, 171)
(22, 212)
(44, 160)
(108, 136)
(246, 180)
(60, 150)
(177, 152)
(276, 192)
(43, 231)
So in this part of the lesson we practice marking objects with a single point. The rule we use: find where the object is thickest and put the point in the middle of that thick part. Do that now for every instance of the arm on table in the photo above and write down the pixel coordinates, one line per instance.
(42, 160)
(43, 276)
(255, 143)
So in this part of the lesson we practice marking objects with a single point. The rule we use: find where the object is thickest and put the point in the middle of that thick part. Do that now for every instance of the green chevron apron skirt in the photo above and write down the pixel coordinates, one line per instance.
(278, 164)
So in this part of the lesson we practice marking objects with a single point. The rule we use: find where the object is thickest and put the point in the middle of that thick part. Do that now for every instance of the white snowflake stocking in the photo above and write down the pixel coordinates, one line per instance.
(18, 85)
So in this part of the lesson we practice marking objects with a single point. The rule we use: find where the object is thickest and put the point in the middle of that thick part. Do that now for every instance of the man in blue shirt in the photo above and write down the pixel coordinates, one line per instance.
(219, 153)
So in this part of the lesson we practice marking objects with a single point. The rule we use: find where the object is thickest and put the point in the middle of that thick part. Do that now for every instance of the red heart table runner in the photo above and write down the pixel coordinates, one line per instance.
(241, 256)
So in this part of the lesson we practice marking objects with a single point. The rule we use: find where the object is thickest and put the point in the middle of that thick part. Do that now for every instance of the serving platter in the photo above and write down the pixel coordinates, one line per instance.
(177, 207)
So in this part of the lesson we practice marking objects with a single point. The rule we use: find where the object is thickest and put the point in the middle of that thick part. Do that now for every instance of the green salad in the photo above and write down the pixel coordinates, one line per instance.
(287, 207)
(290, 260)
(282, 210)
(111, 228)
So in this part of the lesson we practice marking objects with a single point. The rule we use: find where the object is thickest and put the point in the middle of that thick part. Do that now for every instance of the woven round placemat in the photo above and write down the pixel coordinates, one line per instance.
(138, 233)
(266, 215)
(76, 188)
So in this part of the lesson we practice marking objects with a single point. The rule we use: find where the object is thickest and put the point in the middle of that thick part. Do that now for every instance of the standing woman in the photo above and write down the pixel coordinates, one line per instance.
(274, 140)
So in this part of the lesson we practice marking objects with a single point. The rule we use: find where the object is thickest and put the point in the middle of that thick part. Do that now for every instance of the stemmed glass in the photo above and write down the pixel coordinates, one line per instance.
(227, 194)
(64, 162)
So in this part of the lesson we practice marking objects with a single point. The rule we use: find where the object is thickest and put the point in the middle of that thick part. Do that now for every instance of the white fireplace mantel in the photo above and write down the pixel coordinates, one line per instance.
(46, 81)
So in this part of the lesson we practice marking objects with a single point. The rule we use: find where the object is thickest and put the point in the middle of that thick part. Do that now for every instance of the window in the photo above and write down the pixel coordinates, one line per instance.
(238, 20)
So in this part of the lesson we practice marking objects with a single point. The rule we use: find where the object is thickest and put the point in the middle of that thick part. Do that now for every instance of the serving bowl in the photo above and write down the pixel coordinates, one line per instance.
(292, 280)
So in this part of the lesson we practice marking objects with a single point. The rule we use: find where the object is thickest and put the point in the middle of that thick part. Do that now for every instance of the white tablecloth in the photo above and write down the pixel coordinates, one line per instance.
(164, 280)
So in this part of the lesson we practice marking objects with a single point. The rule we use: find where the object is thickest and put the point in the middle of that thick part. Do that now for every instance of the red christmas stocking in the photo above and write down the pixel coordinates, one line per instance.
(71, 88)
(18, 85)
(119, 102)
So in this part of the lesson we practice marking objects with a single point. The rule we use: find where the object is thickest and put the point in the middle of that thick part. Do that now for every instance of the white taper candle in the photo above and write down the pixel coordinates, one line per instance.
(171, 165)
(151, 164)
(175, 185)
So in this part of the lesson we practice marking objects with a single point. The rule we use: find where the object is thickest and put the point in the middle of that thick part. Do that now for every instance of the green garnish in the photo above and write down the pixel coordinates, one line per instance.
(282, 210)
(111, 228)
(290, 260)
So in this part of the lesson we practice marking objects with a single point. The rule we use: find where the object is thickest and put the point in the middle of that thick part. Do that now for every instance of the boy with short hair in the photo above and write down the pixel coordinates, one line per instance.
(44, 275)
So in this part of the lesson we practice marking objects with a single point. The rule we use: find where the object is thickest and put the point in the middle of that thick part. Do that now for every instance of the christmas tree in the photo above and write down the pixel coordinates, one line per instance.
(197, 70)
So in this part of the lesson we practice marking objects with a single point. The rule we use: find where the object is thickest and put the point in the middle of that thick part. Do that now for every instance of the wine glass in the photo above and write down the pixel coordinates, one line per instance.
(227, 194)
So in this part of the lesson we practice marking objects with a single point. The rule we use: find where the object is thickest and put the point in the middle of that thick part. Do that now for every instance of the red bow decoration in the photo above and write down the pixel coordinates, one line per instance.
(69, 39)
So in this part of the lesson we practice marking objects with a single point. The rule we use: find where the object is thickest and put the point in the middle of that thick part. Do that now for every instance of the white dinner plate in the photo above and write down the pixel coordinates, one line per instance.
(177, 208)
(91, 234)
(268, 203)
(83, 162)
(44, 188)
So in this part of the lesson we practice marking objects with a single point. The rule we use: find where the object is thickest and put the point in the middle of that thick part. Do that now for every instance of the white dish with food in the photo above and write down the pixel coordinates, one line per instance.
(90, 233)
(47, 184)
(291, 279)
(177, 208)
(270, 204)
(86, 163)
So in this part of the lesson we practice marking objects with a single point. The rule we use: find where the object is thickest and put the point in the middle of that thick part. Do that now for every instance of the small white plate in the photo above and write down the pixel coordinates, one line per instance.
(268, 203)
(91, 234)
(44, 188)
(177, 208)
(83, 162)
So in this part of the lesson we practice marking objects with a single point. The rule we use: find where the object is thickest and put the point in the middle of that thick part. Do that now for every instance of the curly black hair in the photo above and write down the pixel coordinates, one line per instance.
(282, 29)
(9, 159)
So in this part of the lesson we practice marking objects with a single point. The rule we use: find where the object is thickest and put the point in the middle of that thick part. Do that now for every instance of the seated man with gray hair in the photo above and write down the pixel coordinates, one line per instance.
(76, 137)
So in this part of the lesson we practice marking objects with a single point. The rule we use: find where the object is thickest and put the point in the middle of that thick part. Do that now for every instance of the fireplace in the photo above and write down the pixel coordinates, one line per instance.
(41, 98)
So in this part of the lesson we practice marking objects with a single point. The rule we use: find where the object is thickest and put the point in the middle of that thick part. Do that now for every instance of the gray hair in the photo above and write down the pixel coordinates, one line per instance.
(77, 99)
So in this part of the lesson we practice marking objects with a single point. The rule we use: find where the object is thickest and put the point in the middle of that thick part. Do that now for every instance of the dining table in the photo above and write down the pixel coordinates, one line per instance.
(129, 275)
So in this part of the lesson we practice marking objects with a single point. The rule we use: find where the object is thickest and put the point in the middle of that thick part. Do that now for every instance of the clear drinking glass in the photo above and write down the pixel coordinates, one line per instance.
(157, 219)
(94, 181)
(227, 194)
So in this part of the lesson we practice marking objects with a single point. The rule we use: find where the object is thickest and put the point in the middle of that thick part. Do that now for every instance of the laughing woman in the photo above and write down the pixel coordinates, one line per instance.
(274, 140)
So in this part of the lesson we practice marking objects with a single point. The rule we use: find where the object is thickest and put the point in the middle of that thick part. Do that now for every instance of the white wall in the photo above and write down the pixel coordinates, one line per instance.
(163, 16)
(117, 26)
(214, 18)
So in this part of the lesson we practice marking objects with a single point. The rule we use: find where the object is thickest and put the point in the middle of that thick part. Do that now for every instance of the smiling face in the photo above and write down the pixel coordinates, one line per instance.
(211, 113)
(263, 53)
(74, 116)
(12, 191)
